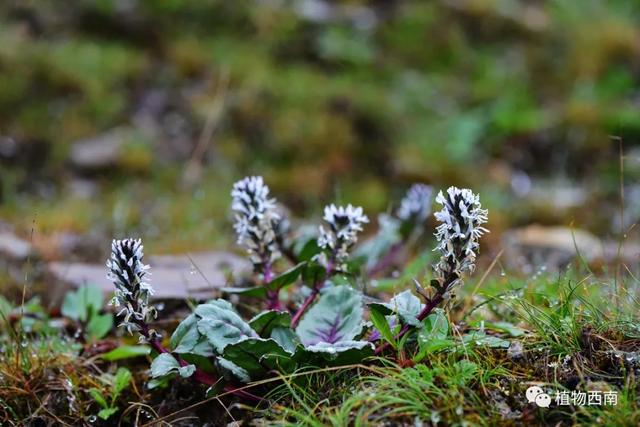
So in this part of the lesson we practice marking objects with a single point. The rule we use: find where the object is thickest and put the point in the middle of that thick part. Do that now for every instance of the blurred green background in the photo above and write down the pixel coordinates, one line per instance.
(134, 117)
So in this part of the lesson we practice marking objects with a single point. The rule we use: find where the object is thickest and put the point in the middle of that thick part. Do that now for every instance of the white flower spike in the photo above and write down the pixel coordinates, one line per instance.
(461, 221)
(257, 220)
(129, 274)
(344, 225)
(415, 207)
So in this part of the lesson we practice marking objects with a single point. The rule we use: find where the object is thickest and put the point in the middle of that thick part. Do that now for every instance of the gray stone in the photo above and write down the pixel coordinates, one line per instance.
(98, 153)
(78, 247)
(172, 276)
(535, 246)
(14, 249)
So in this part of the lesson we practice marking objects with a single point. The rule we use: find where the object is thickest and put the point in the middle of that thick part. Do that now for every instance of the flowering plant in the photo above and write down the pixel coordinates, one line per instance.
(323, 324)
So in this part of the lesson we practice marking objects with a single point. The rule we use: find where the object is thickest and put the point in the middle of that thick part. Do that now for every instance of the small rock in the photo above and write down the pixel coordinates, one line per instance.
(172, 276)
(8, 147)
(553, 248)
(13, 248)
(98, 153)
(515, 351)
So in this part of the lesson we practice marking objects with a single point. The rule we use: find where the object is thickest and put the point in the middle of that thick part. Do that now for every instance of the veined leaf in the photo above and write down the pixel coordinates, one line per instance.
(163, 365)
(166, 364)
(186, 335)
(336, 317)
(258, 356)
(405, 304)
(222, 326)
(231, 370)
(286, 338)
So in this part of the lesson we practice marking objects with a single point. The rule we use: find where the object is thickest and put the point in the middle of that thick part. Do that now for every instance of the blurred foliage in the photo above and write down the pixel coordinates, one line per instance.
(343, 99)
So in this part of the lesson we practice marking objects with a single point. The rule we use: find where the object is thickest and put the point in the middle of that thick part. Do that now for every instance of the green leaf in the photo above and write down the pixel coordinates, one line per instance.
(405, 304)
(264, 322)
(313, 273)
(309, 250)
(222, 303)
(202, 362)
(482, 339)
(33, 306)
(5, 308)
(126, 352)
(230, 370)
(98, 397)
(79, 304)
(162, 382)
(341, 353)
(106, 413)
(186, 371)
(222, 326)
(99, 326)
(163, 365)
(507, 327)
(432, 336)
(286, 338)
(336, 317)
(287, 278)
(186, 335)
(255, 292)
(203, 347)
(432, 346)
(435, 326)
(380, 322)
(187, 339)
(121, 381)
(166, 364)
(258, 356)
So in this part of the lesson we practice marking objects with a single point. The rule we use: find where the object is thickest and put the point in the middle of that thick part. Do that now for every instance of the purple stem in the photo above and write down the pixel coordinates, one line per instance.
(305, 305)
(315, 290)
(428, 308)
(273, 295)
